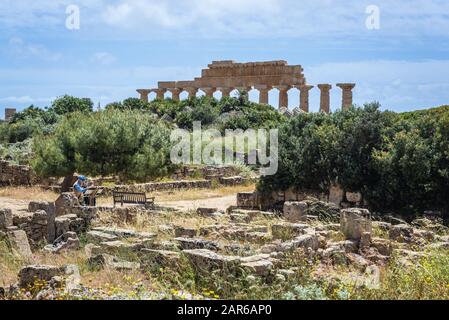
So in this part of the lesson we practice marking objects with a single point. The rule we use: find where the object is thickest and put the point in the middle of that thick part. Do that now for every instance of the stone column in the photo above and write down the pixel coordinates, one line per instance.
(226, 92)
(143, 94)
(209, 91)
(192, 91)
(263, 93)
(160, 93)
(304, 97)
(346, 95)
(283, 96)
(175, 94)
(325, 97)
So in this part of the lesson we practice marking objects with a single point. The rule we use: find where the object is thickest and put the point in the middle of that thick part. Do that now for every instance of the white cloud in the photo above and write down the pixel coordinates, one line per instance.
(243, 18)
(103, 58)
(19, 48)
(25, 100)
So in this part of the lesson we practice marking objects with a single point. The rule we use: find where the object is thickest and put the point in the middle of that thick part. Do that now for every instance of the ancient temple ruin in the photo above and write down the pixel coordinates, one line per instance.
(226, 76)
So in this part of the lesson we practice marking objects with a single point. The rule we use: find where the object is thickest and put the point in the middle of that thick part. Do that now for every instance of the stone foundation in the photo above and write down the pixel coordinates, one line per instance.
(15, 175)
(159, 186)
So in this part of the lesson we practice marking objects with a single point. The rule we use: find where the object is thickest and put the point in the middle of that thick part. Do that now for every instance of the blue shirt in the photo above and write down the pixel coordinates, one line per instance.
(79, 188)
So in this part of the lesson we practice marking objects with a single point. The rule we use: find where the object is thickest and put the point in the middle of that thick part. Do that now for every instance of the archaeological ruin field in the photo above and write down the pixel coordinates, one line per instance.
(357, 210)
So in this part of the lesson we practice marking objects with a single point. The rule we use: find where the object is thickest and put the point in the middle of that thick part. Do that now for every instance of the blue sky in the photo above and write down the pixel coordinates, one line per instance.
(123, 45)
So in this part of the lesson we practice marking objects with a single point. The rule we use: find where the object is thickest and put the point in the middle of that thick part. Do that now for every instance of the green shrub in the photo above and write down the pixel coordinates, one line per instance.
(399, 162)
(130, 144)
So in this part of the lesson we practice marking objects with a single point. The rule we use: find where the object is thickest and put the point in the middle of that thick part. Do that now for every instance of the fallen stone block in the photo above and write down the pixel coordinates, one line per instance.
(97, 237)
(240, 218)
(354, 197)
(188, 244)
(126, 233)
(401, 233)
(64, 203)
(288, 230)
(118, 248)
(6, 219)
(358, 261)
(68, 241)
(159, 257)
(307, 241)
(206, 260)
(185, 232)
(382, 245)
(295, 211)
(19, 241)
(354, 222)
(248, 200)
(261, 268)
(28, 275)
(110, 262)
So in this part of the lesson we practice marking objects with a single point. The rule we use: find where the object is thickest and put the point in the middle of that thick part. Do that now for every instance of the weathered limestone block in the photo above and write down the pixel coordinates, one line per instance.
(119, 248)
(349, 246)
(382, 245)
(247, 200)
(384, 226)
(39, 228)
(49, 208)
(295, 211)
(64, 203)
(206, 212)
(401, 233)
(354, 222)
(288, 230)
(162, 258)
(336, 194)
(19, 241)
(261, 268)
(97, 237)
(185, 232)
(126, 233)
(188, 244)
(358, 261)
(28, 275)
(427, 235)
(206, 260)
(336, 255)
(231, 181)
(365, 241)
(67, 277)
(66, 242)
(6, 219)
(113, 263)
(70, 222)
(240, 218)
(306, 241)
(354, 197)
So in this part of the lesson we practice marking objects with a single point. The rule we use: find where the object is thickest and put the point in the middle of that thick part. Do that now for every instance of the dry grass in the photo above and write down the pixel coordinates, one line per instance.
(28, 193)
(190, 194)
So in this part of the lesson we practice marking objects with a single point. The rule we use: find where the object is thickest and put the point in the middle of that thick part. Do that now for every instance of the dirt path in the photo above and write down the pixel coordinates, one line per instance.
(17, 206)
(222, 203)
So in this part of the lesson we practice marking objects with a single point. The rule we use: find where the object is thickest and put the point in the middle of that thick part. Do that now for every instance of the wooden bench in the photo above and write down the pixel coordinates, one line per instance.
(132, 198)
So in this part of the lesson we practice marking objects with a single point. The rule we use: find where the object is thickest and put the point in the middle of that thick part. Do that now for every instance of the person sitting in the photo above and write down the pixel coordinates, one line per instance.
(80, 189)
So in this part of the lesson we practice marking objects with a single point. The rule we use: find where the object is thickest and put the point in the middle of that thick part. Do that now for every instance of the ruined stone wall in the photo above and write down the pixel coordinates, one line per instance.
(16, 175)
(335, 195)
(159, 186)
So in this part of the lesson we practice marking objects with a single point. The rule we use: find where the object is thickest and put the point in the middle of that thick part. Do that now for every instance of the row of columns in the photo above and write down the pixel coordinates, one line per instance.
(347, 97)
